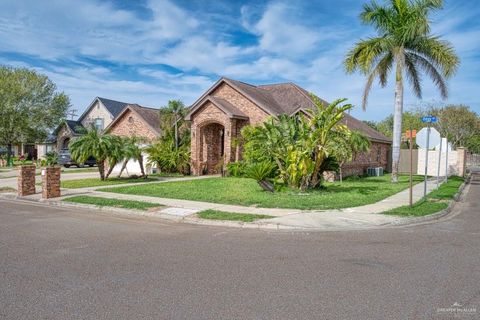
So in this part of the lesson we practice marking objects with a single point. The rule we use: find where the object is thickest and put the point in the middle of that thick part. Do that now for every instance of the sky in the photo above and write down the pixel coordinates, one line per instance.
(151, 51)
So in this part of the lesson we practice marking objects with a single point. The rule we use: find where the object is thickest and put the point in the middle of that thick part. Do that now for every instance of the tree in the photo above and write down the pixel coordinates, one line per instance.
(132, 150)
(97, 145)
(173, 115)
(410, 119)
(458, 123)
(301, 146)
(30, 106)
(324, 120)
(171, 152)
(404, 44)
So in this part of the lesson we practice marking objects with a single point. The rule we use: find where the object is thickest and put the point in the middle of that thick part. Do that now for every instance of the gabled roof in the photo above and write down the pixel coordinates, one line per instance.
(75, 127)
(150, 116)
(357, 125)
(229, 109)
(277, 99)
(114, 107)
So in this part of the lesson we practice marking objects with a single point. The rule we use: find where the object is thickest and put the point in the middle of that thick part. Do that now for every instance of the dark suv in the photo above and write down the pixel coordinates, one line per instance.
(65, 160)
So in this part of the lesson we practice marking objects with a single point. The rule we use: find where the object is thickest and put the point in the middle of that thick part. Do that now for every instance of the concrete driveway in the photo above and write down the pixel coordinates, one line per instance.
(58, 263)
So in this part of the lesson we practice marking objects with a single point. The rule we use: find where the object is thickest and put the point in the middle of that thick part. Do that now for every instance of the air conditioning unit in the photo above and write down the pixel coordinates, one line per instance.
(375, 172)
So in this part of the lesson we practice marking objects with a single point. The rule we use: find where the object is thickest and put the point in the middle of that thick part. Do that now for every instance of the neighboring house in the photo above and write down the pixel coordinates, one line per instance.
(138, 121)
(220, 113)
(135, 120)
(99, 114)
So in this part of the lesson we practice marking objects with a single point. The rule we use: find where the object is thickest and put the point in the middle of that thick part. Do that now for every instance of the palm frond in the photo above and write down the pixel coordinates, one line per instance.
(439, 52)
(431, 71)
(412, 74)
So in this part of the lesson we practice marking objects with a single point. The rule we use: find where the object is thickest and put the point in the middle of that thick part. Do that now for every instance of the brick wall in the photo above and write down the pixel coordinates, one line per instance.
(63, 134)
(26, 180)
(254, 113)
(209, 113)
(51, 182)
(376, 157)
(131, 124)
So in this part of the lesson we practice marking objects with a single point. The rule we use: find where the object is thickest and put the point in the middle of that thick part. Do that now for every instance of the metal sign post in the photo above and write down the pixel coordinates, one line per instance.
(446, 159)
(410, 195)
(426, 162)
(439, 160)
(423, 140)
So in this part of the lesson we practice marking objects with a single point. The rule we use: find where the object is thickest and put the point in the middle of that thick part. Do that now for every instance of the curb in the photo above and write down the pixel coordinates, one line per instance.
(438, 215)
(192, 219)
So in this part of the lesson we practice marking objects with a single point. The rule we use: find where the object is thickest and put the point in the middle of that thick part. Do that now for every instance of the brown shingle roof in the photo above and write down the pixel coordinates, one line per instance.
(357, 125)
(284, 98)
(149, 115)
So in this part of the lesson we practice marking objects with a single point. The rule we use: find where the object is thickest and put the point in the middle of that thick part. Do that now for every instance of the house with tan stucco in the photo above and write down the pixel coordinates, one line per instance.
(218, 116)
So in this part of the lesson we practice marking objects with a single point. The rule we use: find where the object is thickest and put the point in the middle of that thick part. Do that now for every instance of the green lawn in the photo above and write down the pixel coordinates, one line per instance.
(7, 189)
(222, 215)
(96, 182)
(436, 201)
(106, 202)
(166, 175)
(246, 192)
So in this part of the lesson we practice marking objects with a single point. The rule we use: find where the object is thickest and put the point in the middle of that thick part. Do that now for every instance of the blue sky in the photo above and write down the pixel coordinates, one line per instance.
(150, 51)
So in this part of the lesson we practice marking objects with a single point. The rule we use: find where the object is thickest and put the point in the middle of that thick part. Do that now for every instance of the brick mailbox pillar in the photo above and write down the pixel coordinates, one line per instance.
(26, 180)
(51, 182)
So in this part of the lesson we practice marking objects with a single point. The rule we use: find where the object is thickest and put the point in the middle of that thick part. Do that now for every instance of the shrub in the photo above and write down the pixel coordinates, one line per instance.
(236, 169)
(260, 172)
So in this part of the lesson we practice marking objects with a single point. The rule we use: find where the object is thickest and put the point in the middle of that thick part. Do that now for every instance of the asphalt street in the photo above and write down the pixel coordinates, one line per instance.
(59, 263)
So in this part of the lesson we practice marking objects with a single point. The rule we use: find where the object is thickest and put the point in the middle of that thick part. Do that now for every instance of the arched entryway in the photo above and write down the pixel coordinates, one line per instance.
(212, 148)
(65, 143)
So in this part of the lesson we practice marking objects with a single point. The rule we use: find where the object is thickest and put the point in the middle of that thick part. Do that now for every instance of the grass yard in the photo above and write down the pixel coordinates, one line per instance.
(166, 175)
(96, 182)
(246, 192)
(117, 203)
(436, 201)
(7, 189)
(222, 215)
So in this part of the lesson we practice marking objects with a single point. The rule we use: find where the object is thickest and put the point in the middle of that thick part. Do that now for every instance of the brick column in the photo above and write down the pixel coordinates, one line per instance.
(461, 161)
(26, 180)
(51, 182)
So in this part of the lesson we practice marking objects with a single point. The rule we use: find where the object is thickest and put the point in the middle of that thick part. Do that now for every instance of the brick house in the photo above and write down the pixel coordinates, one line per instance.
(223, 110)
(142, 122)
(99, 114)
(135, 120)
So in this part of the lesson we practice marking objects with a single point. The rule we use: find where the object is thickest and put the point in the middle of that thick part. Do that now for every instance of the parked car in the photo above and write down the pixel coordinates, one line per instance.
(65, 160)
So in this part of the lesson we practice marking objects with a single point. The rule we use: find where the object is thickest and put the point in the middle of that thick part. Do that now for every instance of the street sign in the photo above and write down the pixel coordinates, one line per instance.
(433, 140)
(429, 119)
(410, 134)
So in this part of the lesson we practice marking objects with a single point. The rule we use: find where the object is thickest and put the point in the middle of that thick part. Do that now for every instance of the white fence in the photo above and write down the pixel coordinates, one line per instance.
(456, 162)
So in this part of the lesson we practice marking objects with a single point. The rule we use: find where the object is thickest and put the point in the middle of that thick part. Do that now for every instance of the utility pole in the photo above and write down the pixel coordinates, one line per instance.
(426, 162)
(410, 198)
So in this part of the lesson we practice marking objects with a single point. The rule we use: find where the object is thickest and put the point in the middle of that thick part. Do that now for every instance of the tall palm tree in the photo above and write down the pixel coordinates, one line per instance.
(404, 43)
(94, 144)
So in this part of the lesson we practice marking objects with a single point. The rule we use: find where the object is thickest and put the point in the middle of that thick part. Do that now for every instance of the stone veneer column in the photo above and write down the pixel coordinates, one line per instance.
(51, 182)
(461, 161)
(26, 180)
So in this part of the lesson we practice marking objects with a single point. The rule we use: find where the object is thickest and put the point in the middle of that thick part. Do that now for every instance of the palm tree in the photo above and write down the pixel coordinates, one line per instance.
(324, 121)
(94, 144)
(404, 42)
(172, 115)
(116, 154)
(132, 150)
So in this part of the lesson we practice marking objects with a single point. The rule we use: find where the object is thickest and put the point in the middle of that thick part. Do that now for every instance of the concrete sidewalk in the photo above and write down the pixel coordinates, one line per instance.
(363, 217)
